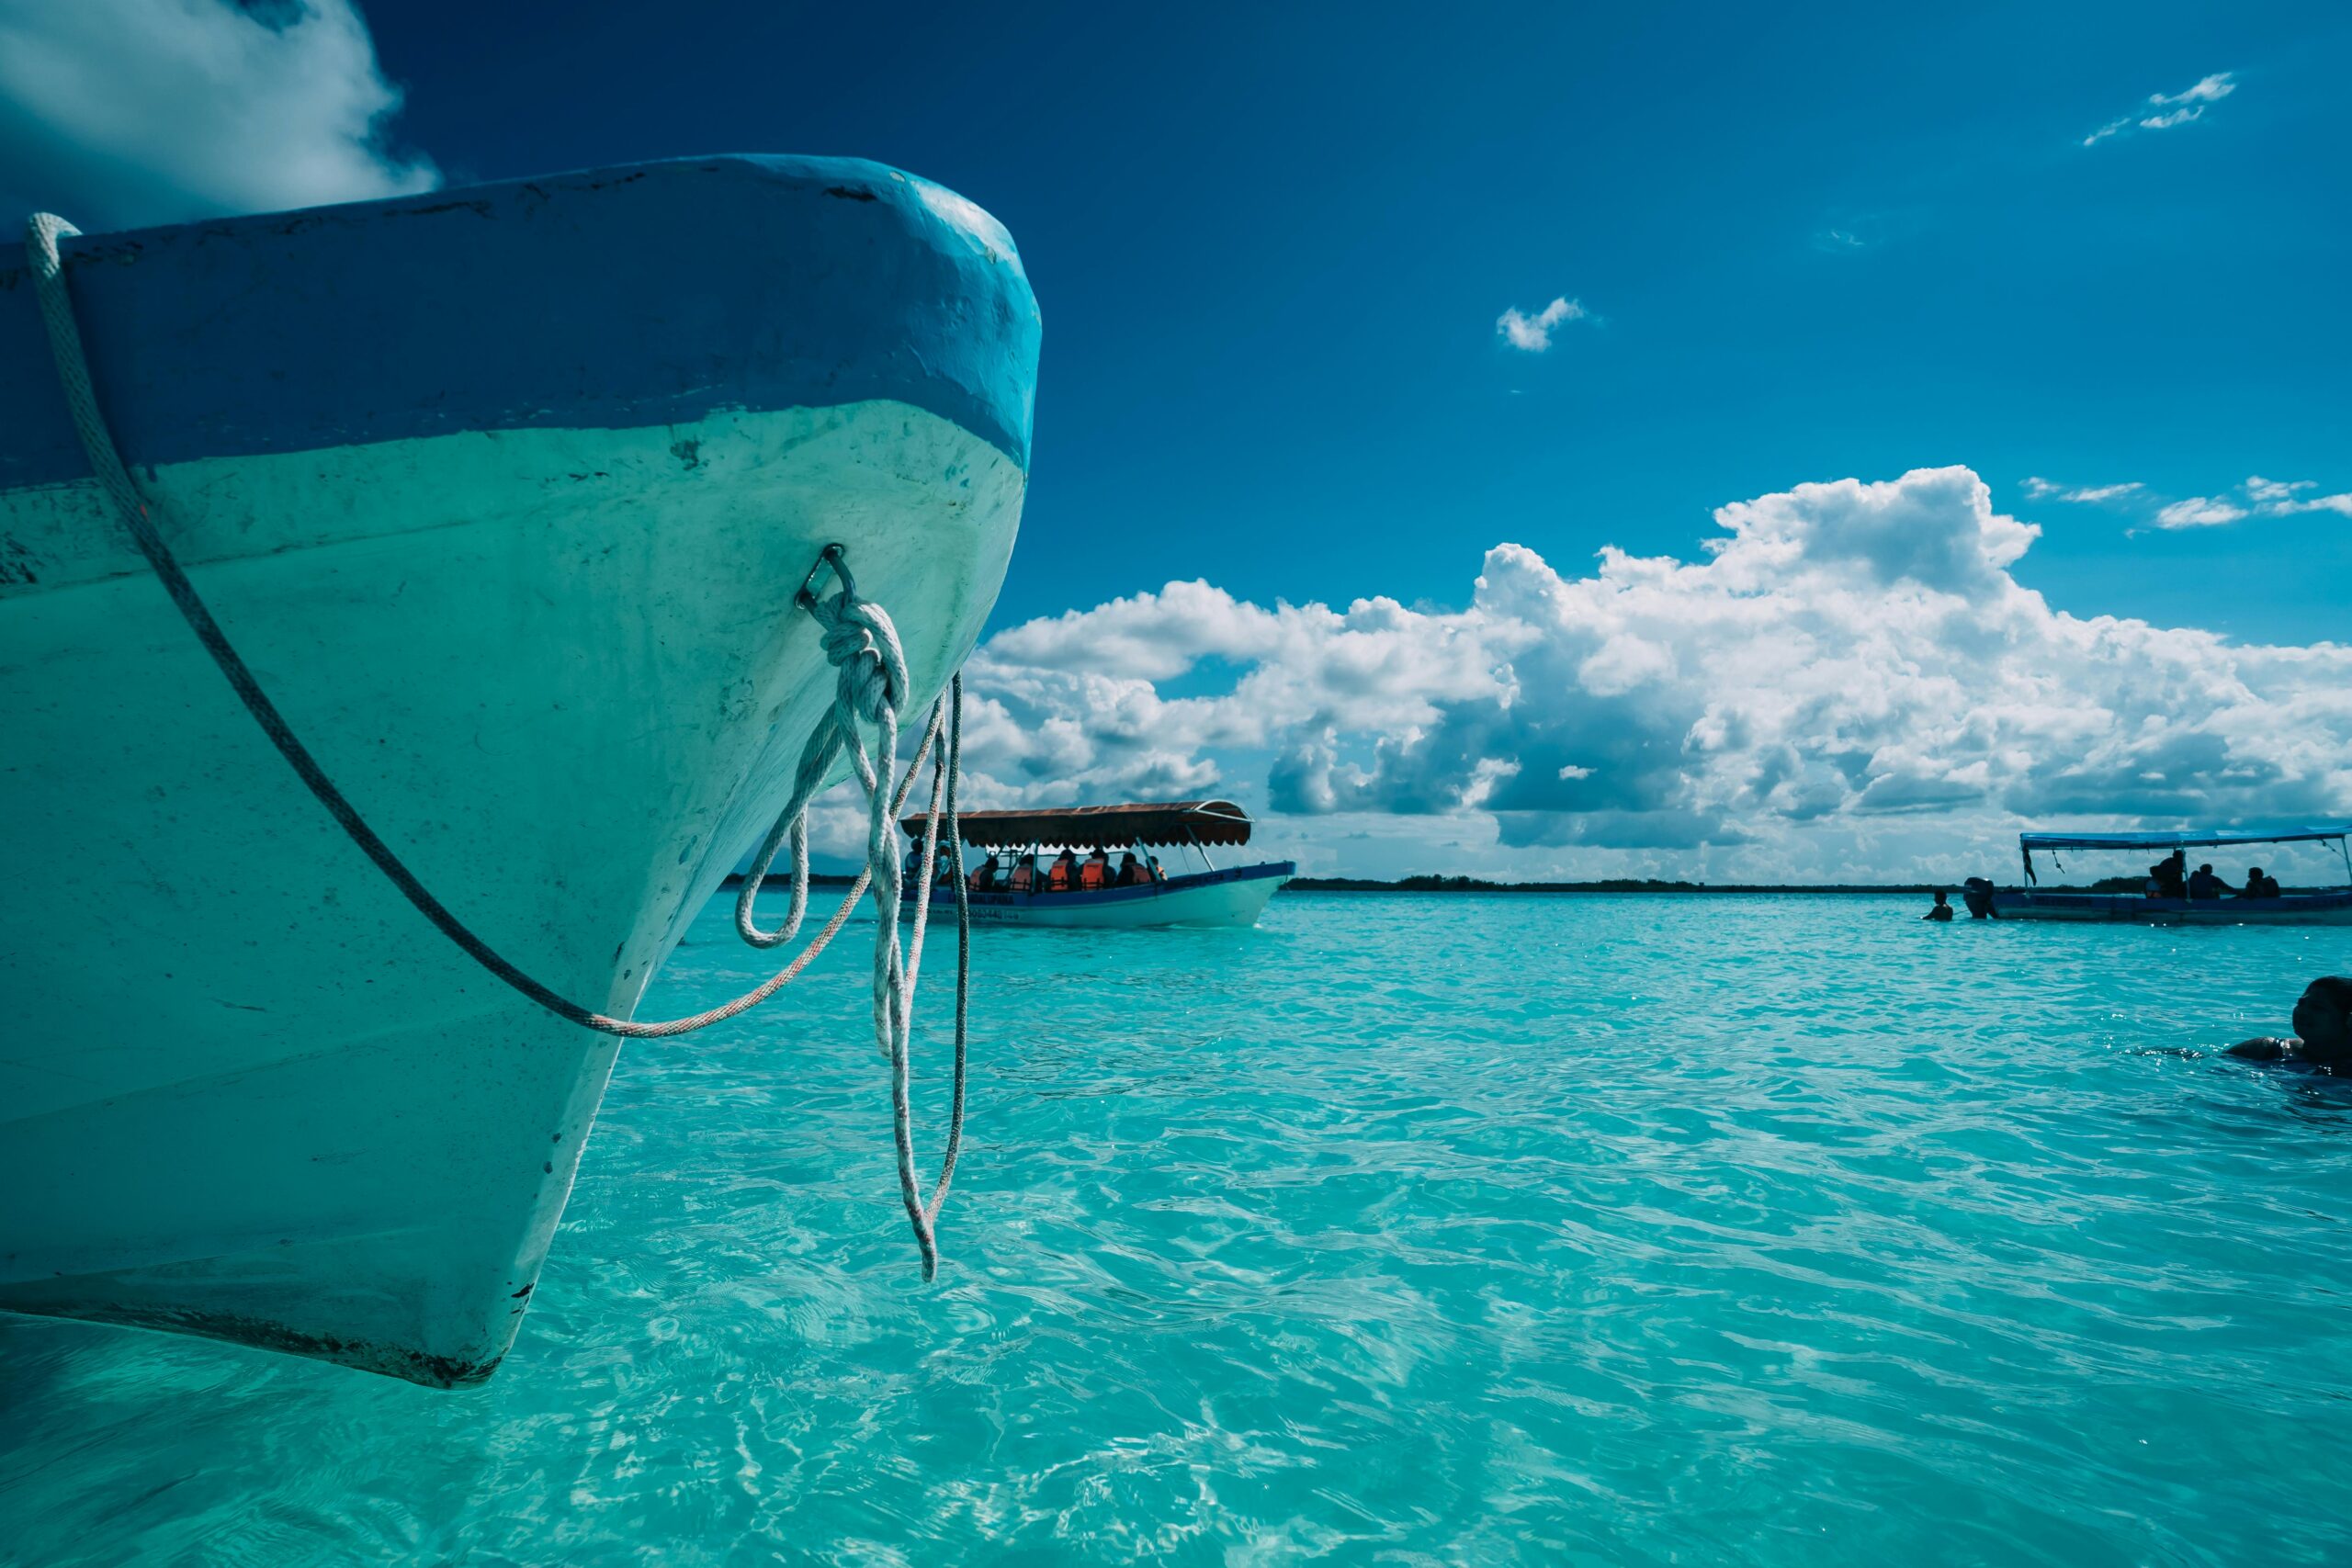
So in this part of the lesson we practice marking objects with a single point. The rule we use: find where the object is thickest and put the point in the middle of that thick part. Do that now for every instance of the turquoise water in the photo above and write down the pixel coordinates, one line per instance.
(1402, 1230)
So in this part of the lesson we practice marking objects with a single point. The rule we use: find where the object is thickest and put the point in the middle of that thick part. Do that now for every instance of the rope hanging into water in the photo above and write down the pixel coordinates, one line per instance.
(871, 680)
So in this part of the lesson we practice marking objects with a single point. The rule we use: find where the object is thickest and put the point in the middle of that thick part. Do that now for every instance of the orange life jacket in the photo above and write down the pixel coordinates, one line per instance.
(1025, 877)
(1057, 877)
(1093, 875)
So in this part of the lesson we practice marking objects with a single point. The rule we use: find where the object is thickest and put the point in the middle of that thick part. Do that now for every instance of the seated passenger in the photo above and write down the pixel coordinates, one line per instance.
(1095, 875)
(1024, 874)
(1132, 871)
(2203, 883)
(1062, 875)
(983, 875)
(2259, 884)
(2322, 1025)
(2168, 874)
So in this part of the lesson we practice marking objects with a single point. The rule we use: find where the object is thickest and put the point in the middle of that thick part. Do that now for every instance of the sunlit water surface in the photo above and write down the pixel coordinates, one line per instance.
(1406, 1229)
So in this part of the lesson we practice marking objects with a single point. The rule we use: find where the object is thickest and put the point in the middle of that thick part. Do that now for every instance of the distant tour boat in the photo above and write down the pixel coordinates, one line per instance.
(1053, 867)
(504, 495)
(2159, 903)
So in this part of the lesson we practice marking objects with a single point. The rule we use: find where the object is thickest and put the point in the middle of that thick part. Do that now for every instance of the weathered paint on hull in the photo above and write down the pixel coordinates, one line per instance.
(1234, 897)
(2124, 908)
(251, 1092)
(248, 1092)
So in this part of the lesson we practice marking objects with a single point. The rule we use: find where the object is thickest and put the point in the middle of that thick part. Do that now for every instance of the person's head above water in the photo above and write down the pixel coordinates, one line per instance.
(2323, 1020)
(1941, 898)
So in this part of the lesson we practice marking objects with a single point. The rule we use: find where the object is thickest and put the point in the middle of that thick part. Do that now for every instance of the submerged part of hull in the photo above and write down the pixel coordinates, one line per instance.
(1233, 897)
(250, 1092)
(2332, 908)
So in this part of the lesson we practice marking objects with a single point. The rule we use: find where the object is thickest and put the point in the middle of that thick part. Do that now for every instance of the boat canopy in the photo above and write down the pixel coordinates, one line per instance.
(2181, 839)
(1100, 827)
(2338, 834)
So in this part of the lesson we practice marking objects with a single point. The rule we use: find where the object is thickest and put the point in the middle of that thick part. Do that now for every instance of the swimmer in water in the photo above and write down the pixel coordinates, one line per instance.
(1940, 909)
(2323, 1022)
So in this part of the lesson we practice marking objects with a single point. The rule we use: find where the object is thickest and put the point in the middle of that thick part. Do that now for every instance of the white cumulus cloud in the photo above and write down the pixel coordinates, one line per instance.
(2038, 488)
(116, 113)
(2209, 90)
(1847, 681)
(2274, 498)
(1533, 333)
(2198, 511)
(2263, 498)
(2173, 109)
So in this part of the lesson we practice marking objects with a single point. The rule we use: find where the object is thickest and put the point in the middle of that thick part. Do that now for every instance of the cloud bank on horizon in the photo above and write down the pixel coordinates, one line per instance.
(121, 113)
(1848, 682)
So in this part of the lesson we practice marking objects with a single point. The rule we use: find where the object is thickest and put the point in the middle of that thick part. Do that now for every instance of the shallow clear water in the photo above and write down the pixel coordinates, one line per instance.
(1411, 1230)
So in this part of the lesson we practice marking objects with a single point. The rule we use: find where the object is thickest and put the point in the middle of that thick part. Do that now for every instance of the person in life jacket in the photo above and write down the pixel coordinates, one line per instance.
(1024, 874)
(983, 877)
(1095, 875)
(1062, 875)
(1132, 873)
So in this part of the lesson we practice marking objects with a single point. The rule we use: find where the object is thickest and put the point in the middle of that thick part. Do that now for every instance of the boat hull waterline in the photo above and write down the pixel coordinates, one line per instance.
(1232, 897)
(2334, 909)
(540, 633)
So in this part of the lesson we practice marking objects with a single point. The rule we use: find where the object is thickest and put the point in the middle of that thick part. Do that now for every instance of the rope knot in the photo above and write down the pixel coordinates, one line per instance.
(861, 642)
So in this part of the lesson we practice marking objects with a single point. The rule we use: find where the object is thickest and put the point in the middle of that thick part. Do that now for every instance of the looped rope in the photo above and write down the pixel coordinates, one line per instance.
(860, 642)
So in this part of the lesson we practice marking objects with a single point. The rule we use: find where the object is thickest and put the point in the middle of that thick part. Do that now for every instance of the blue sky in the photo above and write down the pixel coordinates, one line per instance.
(1272, 242)
(2010, 341)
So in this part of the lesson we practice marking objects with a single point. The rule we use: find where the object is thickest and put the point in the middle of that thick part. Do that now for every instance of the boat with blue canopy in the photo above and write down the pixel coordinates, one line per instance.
(1053, 867)
(2171, 898)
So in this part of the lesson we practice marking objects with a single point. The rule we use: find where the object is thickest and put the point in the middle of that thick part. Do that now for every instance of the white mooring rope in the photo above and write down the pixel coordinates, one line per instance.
(860, 642)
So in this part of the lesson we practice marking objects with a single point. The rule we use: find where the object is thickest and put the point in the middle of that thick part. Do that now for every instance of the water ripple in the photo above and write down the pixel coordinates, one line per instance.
(1439, 1230)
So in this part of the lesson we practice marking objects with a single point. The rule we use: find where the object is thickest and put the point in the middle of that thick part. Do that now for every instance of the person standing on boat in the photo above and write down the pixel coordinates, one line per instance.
(2322, 1025)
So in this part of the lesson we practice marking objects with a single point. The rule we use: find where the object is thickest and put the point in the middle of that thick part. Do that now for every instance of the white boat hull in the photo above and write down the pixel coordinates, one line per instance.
(511, 536)
(1234, 897)
(2129, 909)
(291, 1112)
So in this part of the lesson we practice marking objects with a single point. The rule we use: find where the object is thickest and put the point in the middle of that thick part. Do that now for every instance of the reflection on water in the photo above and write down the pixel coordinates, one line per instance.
(1477, 1229)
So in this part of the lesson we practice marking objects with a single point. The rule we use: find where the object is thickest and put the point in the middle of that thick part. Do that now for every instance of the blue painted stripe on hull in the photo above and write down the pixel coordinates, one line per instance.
(640, 296)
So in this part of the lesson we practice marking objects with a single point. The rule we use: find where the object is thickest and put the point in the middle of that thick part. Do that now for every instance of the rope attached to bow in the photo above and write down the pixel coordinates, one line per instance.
(870, 683)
